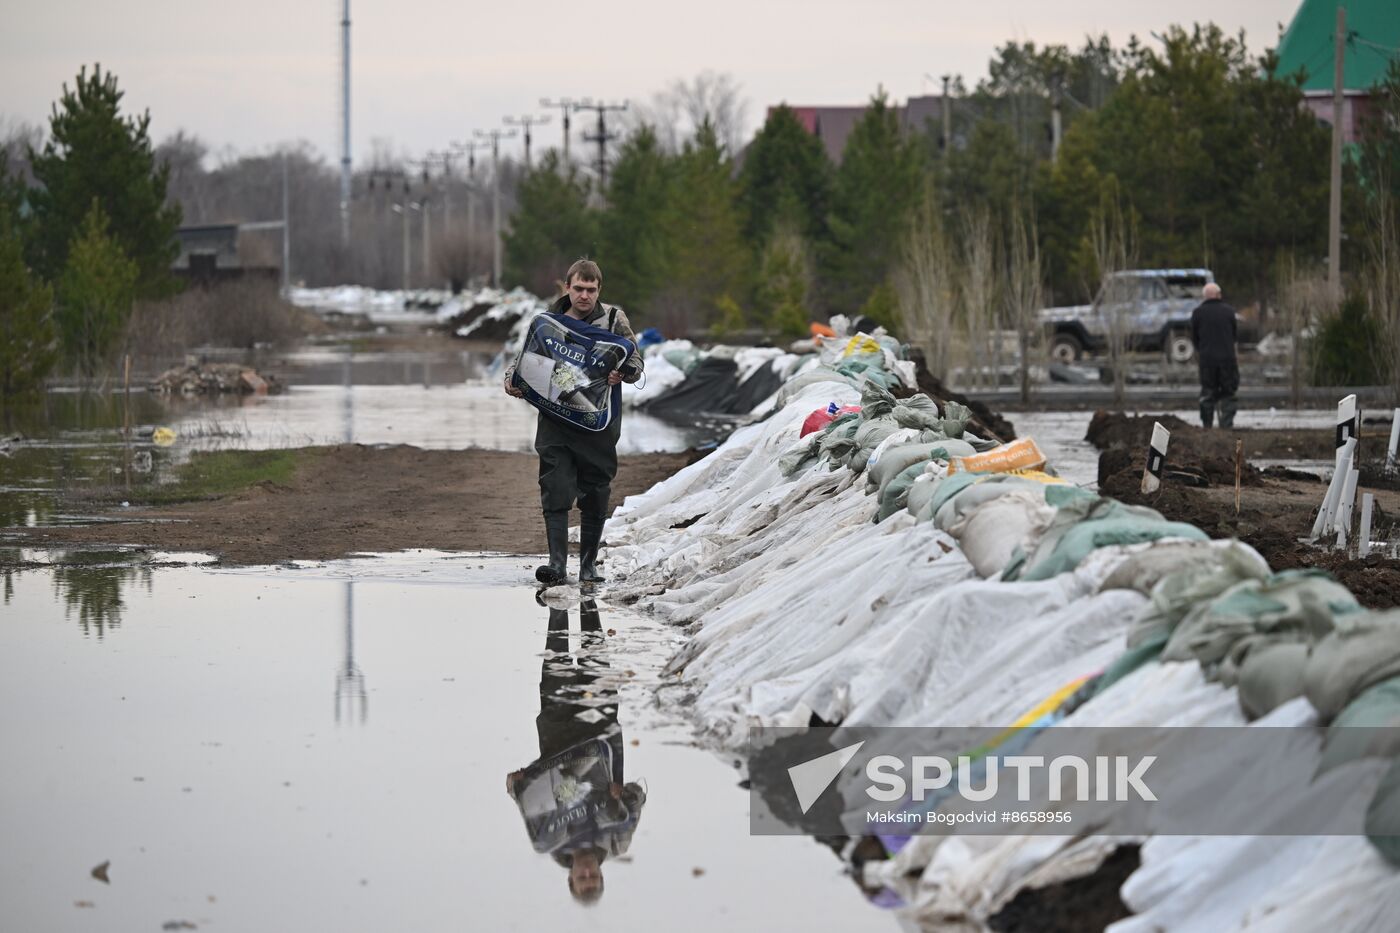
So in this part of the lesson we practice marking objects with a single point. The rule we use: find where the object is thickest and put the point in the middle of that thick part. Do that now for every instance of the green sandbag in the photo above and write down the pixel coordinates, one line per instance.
(970, 498)
(838, 438)
(1146, 652)
(1270, 676)
(894, 459)
(875, 402)
(895, 495)
(1087, 536)
(1383, 816)
(1362, 649)
(1181, 591)
(1290, 607)
(920, 411)
(868, 436)
(1369, 727)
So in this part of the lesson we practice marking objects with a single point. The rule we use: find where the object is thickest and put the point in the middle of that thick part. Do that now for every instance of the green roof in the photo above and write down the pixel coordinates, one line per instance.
(1373, 41)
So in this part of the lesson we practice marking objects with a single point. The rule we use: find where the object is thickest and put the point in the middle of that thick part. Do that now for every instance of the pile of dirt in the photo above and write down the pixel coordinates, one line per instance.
(1275, 513)
(991, 424)
(1089, 903)
(1115, 429)
(215, 379)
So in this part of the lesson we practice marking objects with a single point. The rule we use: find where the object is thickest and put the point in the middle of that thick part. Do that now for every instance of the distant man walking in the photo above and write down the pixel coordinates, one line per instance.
(576, 464)
(1213, 331)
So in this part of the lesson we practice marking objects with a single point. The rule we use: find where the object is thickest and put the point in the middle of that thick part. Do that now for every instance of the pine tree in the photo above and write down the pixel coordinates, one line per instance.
(552, 226)
(95, 152)
(27, 345)
(711, 261)
(875, 185)
(635, 249)
(784, 282)
(95, 294)
(786, 177)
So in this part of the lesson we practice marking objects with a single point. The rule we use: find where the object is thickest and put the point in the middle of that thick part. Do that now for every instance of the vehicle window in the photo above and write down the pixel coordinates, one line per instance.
(1185, 287)
(1150, 290)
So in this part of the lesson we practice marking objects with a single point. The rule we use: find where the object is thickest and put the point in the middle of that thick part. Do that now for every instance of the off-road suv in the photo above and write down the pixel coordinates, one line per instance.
(1152, 309)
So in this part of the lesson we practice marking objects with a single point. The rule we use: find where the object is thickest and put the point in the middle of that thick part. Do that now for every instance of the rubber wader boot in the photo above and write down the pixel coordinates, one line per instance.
(556, 530)
(590, 534)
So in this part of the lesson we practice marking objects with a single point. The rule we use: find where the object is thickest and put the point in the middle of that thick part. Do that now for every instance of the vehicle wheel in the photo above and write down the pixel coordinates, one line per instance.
(1180, 349)
(1065, 349)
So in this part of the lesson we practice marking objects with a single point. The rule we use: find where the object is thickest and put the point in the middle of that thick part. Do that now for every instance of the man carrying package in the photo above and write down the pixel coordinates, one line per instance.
(570, 367)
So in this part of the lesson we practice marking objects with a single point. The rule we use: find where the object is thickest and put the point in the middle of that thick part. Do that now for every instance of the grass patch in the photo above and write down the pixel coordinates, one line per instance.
(219, 473)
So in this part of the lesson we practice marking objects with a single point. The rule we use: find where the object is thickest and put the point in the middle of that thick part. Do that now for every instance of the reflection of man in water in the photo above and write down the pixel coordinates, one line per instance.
(575, 804)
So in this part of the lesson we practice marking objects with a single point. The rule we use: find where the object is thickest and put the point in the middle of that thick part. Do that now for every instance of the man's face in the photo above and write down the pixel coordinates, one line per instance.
(583, 295)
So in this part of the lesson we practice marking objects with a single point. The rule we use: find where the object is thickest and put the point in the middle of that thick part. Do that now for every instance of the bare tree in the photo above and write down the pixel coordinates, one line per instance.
(926, 282)
(1113, 245)
(1024, 289)
(1383, 279)
(978, 284)
(1303, 298)
(678, 111)
(16, 139)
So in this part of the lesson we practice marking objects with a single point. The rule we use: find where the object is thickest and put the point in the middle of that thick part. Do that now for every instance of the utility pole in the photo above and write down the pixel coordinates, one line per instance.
(947, 115)
(443, 158)
(470, 149)
(286, 232)
(1056, 130)
(495, 136)
(526, 122)
(1334, 211)
(566, 106)
(602, 137)
(386, 178)
(403, 209)
(427, 243)
(345, 126)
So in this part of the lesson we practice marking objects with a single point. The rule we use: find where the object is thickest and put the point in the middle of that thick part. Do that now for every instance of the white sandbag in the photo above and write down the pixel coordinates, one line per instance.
(990, 533)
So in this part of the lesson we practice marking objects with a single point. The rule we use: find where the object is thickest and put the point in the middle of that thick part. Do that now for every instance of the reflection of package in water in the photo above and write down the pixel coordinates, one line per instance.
(567, 795)
(563, 370)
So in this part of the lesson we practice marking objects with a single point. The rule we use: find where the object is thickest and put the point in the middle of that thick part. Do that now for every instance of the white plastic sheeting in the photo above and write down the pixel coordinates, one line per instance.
(798, 605)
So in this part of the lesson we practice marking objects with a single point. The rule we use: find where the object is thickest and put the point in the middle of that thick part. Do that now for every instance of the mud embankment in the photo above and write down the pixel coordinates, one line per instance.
(1277, 507)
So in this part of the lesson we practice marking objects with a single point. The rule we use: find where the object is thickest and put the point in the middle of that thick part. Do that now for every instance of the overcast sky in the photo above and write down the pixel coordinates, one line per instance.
(425, 72)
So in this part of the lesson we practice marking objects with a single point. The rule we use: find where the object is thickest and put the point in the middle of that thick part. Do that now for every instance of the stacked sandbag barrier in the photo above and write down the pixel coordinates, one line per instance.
(820, 579)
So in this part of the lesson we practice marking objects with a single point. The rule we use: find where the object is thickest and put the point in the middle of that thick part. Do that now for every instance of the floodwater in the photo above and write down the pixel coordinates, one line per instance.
(329, 747)
(446, 399)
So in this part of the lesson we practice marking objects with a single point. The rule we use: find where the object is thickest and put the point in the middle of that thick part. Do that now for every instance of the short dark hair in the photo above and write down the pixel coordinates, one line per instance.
(587, 271)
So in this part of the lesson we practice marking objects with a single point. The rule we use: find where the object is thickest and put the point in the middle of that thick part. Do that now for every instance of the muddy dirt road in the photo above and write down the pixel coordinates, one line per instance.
(352, 498)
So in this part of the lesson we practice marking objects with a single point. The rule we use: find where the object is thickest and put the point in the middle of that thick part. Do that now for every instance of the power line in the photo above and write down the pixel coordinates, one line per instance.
(525, 122)
(495, 136)
(602, 137)
(566, 106)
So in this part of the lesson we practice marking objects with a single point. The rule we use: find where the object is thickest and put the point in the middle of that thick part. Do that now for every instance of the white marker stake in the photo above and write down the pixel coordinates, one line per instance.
(1156, 458)
(1344, 508)
(1348, 420)
(1363, 543)
(1327, 512)
(1391, 452)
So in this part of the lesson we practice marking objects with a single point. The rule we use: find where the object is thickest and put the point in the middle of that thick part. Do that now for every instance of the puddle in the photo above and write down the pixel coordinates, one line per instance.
(330, 746)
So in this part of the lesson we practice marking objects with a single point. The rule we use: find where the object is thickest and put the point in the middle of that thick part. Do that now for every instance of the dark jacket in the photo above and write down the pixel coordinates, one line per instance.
(1213, 330)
